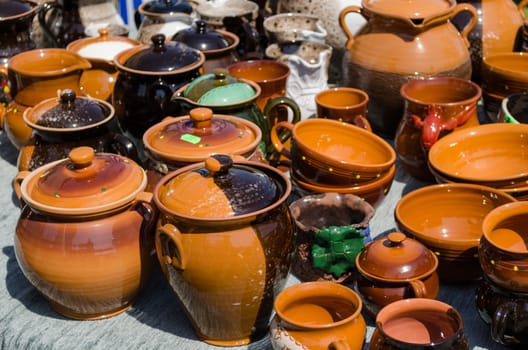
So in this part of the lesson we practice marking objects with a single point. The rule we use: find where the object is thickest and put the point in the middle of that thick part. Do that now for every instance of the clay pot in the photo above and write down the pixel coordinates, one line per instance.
(36, 75)
(379, 62)
(503, 253)
(343, 104)
(84, 236)
(62, 124)
(451, 226)
(317, 315)
(418, 323)
(393, 268)
(433, 107)
(225, 230)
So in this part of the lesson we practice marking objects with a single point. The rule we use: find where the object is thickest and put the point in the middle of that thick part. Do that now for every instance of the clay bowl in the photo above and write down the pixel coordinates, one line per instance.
(503, 248)
(490, 154)
(502, 74)
(452, 224)
(373, 192)
(294, 27)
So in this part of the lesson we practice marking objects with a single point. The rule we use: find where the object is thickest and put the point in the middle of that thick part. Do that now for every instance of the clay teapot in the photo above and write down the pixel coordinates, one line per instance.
(16, 18)
(403, 40)
(225, 229)
(62, 124)
(84, 236)
(395, 267)
(61, 22)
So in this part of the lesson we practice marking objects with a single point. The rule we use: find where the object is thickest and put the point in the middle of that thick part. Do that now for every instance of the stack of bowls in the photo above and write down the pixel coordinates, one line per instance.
(492, 155)
(331, 156)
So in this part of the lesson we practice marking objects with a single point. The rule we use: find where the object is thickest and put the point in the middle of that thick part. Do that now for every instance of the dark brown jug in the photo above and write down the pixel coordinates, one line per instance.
(61, 22)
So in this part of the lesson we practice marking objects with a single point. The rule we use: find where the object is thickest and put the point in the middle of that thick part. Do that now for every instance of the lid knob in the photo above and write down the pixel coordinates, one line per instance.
(200, 26)
(158, 41)
(82, 156)
(218, 163)
(67, 99)
(396, 238)
(201, 117)
(103, 33)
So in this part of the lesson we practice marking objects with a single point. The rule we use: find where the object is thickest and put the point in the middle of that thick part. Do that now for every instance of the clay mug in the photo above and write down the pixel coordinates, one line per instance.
(503, 252)
(393, 268)
(514, 108)
(343, 104)
(84, 237)
(505, 311)
(433, 107)
(419, 323)
(317, 315)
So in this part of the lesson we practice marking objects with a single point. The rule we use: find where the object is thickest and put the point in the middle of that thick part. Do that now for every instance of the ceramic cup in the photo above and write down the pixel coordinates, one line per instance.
(514, 108)
(319, 316)
(418, 324)
(344, 104)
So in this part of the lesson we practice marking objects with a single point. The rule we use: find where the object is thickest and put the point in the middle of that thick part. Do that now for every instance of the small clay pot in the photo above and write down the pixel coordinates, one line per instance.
(393, 268)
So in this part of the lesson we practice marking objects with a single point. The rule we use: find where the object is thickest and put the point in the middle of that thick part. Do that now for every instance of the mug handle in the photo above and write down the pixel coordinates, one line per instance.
(362, 122)
(276, 140)
(472, 21)
(296, 117)
(339, 345)
(418, 288)
(342, 22)
(499, 322)
(165, 235)
(17, 183)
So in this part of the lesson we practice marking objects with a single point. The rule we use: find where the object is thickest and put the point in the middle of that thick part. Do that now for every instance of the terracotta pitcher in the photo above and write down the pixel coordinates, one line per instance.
(403, 40)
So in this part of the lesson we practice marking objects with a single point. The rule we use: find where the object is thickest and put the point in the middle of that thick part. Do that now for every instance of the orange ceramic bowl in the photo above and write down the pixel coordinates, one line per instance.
(452, 224)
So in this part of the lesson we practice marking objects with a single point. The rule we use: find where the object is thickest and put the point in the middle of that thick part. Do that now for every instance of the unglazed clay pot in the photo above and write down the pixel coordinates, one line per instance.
(344, 104)
(317, 315)
(415, 324)
(378, 61)
(225, 242)
(503, 252)
(84, 238)
(393, 268)
(433, 107)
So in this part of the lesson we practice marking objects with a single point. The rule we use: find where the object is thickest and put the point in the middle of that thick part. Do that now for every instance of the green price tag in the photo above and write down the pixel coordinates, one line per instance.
(190, 138)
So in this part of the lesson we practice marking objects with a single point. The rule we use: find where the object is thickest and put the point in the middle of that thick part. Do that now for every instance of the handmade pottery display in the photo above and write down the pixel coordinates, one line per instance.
(395, 267)
(84, 238)
(61, 22)
(36, 75)
(99, 81)
(16, 17)
(514, 108)
(69, 121)
(378, 61)
(333, 153)
(343, 104)
(433, 107)
(337, 225)
(451, 226)
(218, 46)
(225, 230)
(317, 315)
(502, 74)
(503, 254)
(505, 311)
(419, 323)
(148, 77)
(293, 27)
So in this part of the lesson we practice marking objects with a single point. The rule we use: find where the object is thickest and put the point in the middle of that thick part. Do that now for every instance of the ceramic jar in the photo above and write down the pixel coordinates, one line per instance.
(36, 75)
(62, 124)
(378, 61)
(148, 77)
(317, 315)
(225, 230)
(84, 237)
(393, 268)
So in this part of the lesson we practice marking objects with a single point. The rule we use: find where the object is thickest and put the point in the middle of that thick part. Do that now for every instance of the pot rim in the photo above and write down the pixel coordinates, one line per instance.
(35, 6)
(501, 214)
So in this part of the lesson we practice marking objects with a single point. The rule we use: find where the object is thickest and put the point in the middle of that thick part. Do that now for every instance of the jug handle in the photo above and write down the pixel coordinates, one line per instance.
(276, 140)
(342, 16)
(472, 22)
(122, 145)
(521, 6)
(166, 234)
(500, 320)
(17, 184)
(418, 288)
(43, 15)
(338, 345)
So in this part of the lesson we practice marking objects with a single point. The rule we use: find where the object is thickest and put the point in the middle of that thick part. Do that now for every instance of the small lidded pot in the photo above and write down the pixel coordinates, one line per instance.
(226, 231)
(61, 124)
(84, 236)
(395, 267)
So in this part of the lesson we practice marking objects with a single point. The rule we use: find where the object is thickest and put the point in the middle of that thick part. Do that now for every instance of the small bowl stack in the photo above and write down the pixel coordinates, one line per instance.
(493, 155)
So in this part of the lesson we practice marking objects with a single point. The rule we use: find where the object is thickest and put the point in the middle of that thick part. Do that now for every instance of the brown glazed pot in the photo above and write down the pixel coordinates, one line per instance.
(225, 243)
(393, 268)
(403, 40)
(84, 236)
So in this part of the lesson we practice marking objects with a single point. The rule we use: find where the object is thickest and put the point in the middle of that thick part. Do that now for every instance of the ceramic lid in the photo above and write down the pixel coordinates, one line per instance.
(84, 183)
(220, 189)
(104, 47)
(14, 8)
(396, 258)
(69, 112)
(195, 137)
(167, 6)
(164, 56)
(200, 38)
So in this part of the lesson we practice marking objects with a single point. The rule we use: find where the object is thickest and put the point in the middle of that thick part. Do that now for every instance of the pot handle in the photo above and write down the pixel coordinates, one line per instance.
(472, 21)
(276, 140)
(418, 288)
(165, 235)
(342, 22)
(122, 145)
(338, 345)
(499, 321)
(143, 205)
(17, 183)
(160, 92)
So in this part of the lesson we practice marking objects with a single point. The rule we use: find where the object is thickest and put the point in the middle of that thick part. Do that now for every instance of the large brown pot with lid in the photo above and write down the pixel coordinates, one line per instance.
(84, 235)
(395, 267)
(225, 242)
